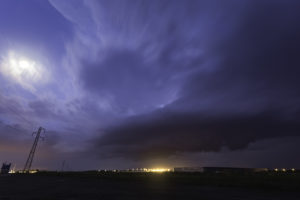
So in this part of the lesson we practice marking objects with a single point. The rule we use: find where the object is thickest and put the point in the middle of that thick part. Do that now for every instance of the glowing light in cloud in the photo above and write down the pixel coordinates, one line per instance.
(22, 70)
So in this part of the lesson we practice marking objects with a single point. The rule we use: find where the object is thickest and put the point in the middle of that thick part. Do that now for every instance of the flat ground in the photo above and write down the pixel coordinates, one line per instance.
(92, 185)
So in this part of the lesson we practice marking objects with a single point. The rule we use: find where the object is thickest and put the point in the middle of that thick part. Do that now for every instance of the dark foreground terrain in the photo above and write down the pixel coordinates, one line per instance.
(93, 185)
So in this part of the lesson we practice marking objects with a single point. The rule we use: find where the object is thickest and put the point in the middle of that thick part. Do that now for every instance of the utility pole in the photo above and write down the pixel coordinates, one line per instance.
(33, 148)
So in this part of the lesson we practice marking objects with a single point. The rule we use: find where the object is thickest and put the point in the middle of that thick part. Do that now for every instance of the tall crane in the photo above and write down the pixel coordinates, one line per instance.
(33, 148)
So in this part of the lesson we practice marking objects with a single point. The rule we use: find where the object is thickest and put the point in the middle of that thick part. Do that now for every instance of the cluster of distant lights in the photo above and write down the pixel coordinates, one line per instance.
(154, 170)
(161, 170)
(22, 172)
(157, 170)
(284, 170)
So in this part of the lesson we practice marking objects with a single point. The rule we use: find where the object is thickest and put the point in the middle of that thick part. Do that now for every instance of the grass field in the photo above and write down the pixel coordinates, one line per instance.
(109, 185)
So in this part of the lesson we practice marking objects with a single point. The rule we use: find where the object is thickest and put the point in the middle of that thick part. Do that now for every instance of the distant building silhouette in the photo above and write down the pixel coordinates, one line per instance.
(5, 168)
(219, 169)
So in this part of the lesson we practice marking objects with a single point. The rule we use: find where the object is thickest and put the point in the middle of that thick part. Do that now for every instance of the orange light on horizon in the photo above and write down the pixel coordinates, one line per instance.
(158, 170)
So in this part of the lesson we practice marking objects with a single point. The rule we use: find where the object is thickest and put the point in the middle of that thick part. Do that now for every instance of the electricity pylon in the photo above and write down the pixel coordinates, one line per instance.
(33, 148)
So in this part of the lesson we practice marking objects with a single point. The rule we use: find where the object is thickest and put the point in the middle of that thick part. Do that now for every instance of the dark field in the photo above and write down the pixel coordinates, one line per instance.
(93, 185)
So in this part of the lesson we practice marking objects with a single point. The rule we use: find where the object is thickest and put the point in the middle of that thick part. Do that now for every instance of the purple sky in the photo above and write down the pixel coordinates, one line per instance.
(122, 84)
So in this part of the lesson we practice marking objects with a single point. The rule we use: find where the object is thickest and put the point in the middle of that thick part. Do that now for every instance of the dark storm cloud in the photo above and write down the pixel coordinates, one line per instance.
(43, 109)
(9, 105)
(126, 79)
(149, 79)
(16, 134)
(11, 108)
(250, 93)
(10, 132)
(165, 134)
(259, 62)
(152, 52)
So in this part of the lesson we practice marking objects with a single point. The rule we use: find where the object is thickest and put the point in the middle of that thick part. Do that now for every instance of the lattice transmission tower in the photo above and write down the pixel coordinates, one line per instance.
(33, 148)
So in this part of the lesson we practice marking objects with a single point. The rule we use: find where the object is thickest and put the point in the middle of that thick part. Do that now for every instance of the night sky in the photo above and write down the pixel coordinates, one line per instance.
(126, 84)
